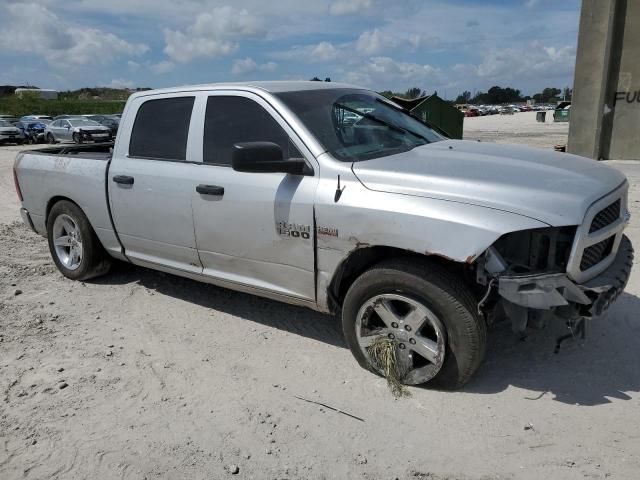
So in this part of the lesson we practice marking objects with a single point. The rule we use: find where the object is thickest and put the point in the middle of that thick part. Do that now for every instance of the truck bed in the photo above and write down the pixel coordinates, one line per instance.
(74, 172)
(99, 151)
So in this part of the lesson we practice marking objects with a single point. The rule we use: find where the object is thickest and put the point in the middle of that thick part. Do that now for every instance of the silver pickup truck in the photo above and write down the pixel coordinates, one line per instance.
(332, 197)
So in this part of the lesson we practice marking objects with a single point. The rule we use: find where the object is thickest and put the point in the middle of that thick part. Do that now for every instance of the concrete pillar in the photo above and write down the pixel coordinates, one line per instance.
(605, 113)
(625, 130)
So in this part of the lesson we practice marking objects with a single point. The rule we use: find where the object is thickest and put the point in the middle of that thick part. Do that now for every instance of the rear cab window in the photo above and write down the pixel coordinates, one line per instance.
(161, 129)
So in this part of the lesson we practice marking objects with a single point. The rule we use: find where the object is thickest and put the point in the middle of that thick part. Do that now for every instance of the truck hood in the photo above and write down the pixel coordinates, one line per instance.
(555, 188)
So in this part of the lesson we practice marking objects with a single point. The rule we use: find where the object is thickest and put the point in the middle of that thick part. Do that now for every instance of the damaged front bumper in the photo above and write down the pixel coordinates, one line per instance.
(548, 291)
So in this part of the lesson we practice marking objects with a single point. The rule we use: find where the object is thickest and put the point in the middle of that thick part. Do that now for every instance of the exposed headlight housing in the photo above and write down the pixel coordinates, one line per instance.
(541, 250)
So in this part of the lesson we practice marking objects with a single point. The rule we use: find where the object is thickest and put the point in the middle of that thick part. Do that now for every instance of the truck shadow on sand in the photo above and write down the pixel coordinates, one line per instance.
(298, 320)
(584, 372)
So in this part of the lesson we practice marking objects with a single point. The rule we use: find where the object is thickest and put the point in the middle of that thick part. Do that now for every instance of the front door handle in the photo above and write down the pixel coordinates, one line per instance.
(123, 179)
(210, 190)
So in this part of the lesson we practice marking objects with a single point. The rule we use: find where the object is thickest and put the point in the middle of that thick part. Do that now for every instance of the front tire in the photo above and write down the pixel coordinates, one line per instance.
(50, 138)
(77, 138)
(73, 244)
(427, 311)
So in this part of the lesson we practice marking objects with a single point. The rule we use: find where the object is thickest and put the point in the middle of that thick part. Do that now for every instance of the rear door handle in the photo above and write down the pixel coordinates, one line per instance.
(123, 179)
(210, 190)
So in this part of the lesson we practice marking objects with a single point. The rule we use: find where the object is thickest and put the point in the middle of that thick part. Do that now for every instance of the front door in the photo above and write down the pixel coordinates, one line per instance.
(151, 183)
(60, 130)
(253, 229)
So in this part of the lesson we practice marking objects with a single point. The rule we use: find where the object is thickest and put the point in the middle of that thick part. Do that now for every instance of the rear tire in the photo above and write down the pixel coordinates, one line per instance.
(73, 244)
(450, 324)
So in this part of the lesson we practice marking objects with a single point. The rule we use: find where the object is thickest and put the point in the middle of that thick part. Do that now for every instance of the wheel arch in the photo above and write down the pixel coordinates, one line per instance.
(59, 198)
(362, 259)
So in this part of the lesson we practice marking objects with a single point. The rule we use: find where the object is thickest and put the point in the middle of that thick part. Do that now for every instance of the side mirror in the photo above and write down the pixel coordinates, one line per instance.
(265, 157)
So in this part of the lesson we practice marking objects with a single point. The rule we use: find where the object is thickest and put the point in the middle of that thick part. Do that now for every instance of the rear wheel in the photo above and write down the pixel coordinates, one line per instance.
(427, 312)
(73, 244)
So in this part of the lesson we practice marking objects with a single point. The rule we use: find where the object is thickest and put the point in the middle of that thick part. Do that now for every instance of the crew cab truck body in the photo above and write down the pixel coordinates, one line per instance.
(275, 189)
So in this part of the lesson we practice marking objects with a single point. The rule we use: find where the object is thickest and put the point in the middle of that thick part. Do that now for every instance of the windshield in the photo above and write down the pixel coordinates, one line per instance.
(4, 123)
(82, 122)
(355, 125)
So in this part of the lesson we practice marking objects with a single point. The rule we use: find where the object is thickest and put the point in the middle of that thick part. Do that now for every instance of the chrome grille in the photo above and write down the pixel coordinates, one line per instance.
(596, 253)
(605, 217)
(598, 237)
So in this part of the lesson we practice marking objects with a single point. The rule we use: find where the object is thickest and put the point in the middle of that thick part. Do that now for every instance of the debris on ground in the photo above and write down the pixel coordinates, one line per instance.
(382, 352)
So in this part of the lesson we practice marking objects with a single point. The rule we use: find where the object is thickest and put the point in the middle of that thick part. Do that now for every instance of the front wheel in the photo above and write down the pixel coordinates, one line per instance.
(429, 315)
(77, 138)
(50, 138)
(73, 244)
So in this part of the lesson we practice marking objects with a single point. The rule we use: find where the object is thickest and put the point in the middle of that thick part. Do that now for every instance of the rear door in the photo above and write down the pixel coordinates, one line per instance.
(256, 229)
(152, 180)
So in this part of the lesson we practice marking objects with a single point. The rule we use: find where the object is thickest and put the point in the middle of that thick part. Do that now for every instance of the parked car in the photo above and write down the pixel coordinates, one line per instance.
(507, 110)
(411, 238)
(77, 130)
(27, 118)
(112, 123)
(9, 133)
(33, 131)
(9, 118)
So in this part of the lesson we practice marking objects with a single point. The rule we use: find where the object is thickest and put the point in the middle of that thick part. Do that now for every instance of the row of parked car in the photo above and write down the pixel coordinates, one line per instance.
(482, 110)
(63, 128)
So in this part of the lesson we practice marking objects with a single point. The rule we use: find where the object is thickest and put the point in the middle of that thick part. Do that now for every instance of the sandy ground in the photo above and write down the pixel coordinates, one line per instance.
(168, 378)
(519, 128)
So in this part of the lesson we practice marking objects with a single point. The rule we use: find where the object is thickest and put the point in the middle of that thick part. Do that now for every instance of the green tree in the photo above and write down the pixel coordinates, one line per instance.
(548, 95)
(414, 92)
(464, 97)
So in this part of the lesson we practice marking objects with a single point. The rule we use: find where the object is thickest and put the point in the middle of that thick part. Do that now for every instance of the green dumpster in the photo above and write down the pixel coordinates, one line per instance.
(562, 113)
(434, 111)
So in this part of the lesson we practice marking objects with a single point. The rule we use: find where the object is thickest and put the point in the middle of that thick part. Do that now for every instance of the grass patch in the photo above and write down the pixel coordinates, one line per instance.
(383, 355)
(16, 106)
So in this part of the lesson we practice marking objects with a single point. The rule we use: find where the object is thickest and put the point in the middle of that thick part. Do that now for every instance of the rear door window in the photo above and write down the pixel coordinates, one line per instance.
(231, 120)
(161, 129)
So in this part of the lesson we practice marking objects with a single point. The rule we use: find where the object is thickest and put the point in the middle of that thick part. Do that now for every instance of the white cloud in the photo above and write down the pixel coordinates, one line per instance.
(248, 66)
(385, 72)
(133, 66)
(32, 28)
(324, 51)
(120, 83)
(213, 34)
(533, 60)
(165, 66)
(348, 7)
(373, 42)
(321, 52)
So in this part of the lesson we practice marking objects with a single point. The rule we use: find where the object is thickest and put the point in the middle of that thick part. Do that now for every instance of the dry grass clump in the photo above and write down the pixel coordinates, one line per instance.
(382, 352)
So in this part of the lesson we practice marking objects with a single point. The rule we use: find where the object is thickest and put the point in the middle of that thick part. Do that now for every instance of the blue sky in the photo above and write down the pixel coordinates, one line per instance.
(448, 46)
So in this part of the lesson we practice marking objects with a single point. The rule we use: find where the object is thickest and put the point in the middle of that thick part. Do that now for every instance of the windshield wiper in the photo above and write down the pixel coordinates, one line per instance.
(391, 126)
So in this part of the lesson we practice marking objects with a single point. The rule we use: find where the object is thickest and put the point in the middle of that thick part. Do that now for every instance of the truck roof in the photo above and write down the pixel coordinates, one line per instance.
(268, 86)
